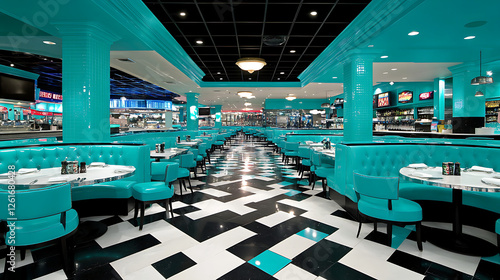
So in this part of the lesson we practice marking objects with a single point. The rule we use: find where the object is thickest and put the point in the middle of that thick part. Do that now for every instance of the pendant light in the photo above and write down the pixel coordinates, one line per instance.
(326, 104)
(481, 80)
(251, 64)
(479, 94)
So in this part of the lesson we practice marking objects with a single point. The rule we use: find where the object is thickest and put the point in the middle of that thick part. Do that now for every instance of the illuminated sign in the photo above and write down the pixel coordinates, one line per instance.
(426, 95)
(49, 96)
(193, 113)
(383, 99)
(405, 97)
(217, 117)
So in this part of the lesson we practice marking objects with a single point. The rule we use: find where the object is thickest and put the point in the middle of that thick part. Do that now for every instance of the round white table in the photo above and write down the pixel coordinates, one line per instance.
(168, 154)
(456, 240)
(52, 176)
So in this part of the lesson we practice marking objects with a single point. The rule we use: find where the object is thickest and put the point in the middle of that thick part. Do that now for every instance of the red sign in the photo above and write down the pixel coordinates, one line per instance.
(241, 111)
(50, 95)
(3, 109)
(39, 113)
(26, 111)
(426, 95)
(58, 114)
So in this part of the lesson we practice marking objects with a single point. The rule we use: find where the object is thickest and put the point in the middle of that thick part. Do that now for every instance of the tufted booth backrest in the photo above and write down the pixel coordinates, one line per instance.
(387, 159)
(51, 155)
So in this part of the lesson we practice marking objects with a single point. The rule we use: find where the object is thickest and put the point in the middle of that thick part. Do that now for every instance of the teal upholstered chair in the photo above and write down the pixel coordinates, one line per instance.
(305, 160)
(150, 192)
(158, 170)
(202, 155)
(186, 163)
(291, 151)
(43, 215)
(219, 143)
(378, 200)
(319, 169)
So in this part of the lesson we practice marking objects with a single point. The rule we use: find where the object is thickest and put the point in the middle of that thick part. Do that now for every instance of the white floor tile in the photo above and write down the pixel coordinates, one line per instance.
(274, 219)
(147, 272)
(292, 246)
(212, 268)
(58, 275)
(215, 192)
(293, 272)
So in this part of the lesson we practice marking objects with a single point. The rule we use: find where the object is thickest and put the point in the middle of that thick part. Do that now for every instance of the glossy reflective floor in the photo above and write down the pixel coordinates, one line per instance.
(250, 217)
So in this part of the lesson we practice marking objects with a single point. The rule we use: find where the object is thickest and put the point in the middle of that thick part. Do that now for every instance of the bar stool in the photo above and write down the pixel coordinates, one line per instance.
(151, 192)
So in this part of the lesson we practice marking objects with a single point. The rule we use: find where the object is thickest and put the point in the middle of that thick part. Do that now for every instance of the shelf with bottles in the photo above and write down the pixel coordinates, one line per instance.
(395, 125)
(394, 112)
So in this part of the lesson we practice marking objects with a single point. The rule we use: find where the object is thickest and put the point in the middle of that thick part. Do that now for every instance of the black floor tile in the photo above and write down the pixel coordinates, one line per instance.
(103, 272)
(185, 210)
(37, 269)
(487, 270)
(191, 198)
(246, 271)
(299, 197)
(151, 218)
(112, 220)
(202, 229)
(410, 262)
(320, 256)
(339, 271)
(174, 264)
(247, 249)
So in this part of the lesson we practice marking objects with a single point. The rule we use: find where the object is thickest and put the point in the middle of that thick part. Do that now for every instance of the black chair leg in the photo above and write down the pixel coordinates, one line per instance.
(314, 180)
(389, 234)
(171, 208)
(190, 187)
(180, 184)
(67, 244)
(141, 223)
(136, 209)
(167, 205)
(23, 253)
(359, 229)
(375, 226)
(323, 184)
(419, 236)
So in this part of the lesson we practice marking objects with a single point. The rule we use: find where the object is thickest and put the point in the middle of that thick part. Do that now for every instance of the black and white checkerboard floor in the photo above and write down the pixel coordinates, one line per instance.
(251, 218)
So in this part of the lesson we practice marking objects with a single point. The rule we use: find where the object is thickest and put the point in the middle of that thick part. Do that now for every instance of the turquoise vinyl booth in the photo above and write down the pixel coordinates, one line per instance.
(105, 198)
(386, 159)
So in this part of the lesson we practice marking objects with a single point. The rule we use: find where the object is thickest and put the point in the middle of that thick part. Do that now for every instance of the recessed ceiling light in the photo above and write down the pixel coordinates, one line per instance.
(334, 77)
(469, 37)
(370, 46)
(394, 69)
(282, 73)
(182, 14)
(405, 78)
(220, 79)
(384, 56)
(391, 83)
(489, 73)
(49, 42)
(320, 83)
(250, 79)
(278, 79)
(190, 91)
(385, 73)
(199, 42)
(12, 65)
(292, 51)
(413, 33)
(313, 13)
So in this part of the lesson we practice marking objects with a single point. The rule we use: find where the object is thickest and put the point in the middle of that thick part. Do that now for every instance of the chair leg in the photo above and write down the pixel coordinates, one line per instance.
(190, 187)
(323, 184)
(23, 253)
(171, 208)
(375, 226)
(389, 234)
(419, 235)
(180, 184)
(314, 180)
(136, 209)
(67, 244)
(167, 205)
(141, 223)
(359, 229)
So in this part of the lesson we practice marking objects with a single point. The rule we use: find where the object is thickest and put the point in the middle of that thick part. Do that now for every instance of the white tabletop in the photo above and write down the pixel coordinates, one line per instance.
(469, 181)
(168, 154)
(329, 153)
(93, 175)
(191, 143)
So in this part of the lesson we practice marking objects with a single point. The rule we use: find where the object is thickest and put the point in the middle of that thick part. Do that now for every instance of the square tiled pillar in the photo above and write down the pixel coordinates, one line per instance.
(192, 110)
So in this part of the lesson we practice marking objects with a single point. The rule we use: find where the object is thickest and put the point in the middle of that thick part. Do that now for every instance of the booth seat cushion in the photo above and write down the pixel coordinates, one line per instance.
(306, 162)
(291, 154)
(484, 200)
(115, 189)
(324, 172)
(29, 232)
(404, 210)
(183, 173)
(150, 191)
(415, 191)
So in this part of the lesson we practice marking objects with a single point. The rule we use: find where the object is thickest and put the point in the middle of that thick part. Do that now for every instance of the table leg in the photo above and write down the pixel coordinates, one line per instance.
(456, 241)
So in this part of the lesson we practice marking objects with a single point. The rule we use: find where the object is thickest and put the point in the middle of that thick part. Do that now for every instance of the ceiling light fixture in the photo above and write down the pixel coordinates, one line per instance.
(247, 104)
(489, 73)
(479, 94)
(481, 80)
(292, 51)
(394, 69)
(413, 33)
(313, 13)
(182, 14)
(251, 64)
(384, 56)
(469, 37)
(327, 103)
(405, 78)
(12, 65)
(385, 73)
(199, 42)
(334, 77)
(290, 97)
(282, 73)
(391, 83)
(49, 42)
(244, 93)
(218, 73)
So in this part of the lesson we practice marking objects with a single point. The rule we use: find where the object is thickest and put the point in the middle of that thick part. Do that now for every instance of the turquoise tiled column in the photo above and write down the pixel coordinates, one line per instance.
(439, 86)
(218, 116)
(181, 114)
(465, 104)
(358, 99)
(192, 110)
(85, 75)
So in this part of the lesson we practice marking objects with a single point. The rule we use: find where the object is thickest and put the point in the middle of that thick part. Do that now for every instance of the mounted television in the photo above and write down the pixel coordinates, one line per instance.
(426, 95)
(383, 100)
(338, 103)
(205, 111)
(17, 88)
(375, 99)
(405, 96)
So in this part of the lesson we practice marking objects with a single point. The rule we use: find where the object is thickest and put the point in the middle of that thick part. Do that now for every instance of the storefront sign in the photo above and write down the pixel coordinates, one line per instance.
(426, 95)
(38, 113)
(405, 97)
(49, 96)
(3, 109)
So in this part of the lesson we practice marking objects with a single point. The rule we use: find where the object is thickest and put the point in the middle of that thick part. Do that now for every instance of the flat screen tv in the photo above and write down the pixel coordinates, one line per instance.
(205, 111)
(426, 95)
(383, 100)
(405, 96)
(16, 88)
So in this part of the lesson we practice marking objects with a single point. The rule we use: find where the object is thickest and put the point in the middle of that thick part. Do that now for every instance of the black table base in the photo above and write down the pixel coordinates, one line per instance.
(89, 230)
(463, 244)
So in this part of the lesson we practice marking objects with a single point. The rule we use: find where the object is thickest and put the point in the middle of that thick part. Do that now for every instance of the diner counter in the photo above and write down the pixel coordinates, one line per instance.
(16, 135)
(416, 134)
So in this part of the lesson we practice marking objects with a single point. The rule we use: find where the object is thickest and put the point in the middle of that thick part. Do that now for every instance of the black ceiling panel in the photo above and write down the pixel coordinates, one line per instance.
(231, 29)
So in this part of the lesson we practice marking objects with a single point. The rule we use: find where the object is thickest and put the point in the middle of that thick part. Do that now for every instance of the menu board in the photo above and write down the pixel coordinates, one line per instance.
(426, 95)
(383, 99)
(405, 96)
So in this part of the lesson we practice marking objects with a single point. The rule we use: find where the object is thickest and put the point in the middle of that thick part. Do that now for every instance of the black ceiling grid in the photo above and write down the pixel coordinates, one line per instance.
(231, 29)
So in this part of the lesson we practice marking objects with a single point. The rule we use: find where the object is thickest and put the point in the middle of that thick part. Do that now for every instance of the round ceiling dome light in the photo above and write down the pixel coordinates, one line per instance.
(251, 64)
